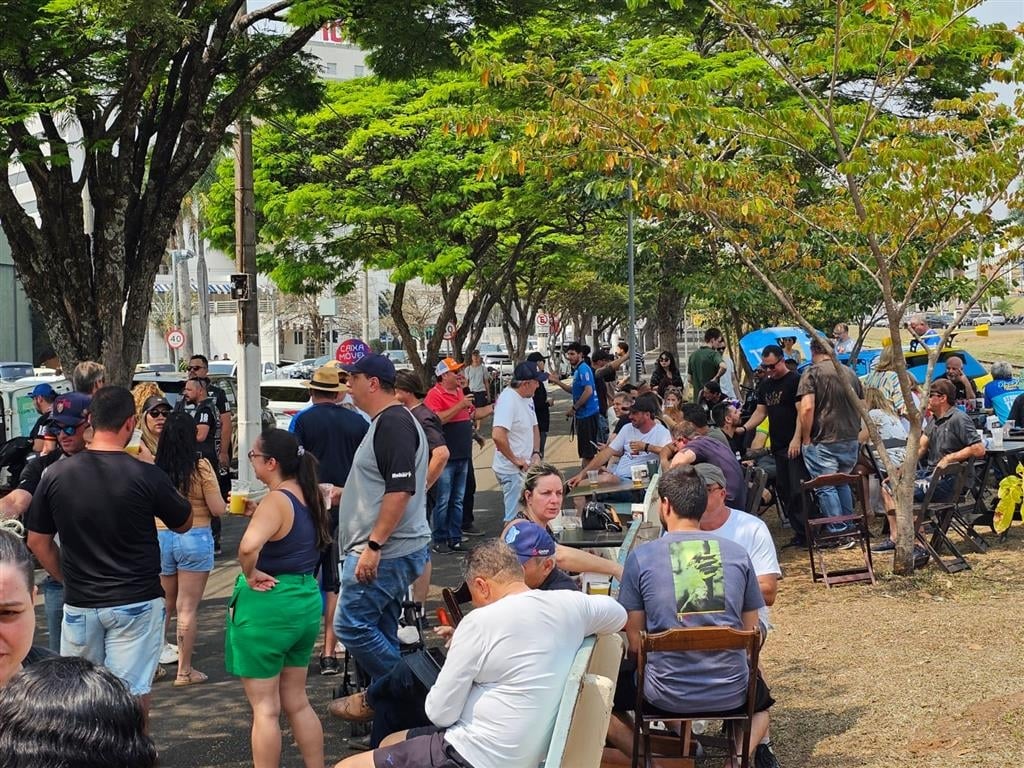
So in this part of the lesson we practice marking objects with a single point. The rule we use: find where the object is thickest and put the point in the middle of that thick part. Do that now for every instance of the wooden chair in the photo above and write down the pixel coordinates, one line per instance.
(821, 542)
(586, 705)
(454, 599)
(932, 518)
(698, 639)
(755, 479)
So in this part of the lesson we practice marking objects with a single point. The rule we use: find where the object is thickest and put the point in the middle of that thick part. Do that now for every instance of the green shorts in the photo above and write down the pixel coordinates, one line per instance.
(267, 631)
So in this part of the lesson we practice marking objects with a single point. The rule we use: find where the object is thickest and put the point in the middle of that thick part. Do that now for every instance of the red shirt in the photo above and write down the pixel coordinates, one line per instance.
(439, 399)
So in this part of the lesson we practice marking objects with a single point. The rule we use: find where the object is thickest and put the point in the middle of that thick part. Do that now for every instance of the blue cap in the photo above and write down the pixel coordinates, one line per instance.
(529, 540)
(529, 371)
(43, 390)
(377, 366)
(71, 409)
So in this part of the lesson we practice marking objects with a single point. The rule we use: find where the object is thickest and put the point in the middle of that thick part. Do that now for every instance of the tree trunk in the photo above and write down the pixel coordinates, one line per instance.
(668, 311)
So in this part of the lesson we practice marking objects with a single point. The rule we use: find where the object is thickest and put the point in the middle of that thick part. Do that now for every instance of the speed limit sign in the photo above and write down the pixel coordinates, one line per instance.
(449, 331)
(175, 338)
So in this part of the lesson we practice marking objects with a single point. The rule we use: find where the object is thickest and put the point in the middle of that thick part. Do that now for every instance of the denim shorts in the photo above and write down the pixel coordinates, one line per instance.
(126, 639)
(188, 551)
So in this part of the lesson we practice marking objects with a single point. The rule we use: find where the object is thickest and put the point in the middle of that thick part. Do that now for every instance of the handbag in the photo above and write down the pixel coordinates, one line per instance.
(600, 517)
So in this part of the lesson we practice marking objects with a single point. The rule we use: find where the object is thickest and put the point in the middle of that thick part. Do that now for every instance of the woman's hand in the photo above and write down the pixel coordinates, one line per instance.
(259, 581)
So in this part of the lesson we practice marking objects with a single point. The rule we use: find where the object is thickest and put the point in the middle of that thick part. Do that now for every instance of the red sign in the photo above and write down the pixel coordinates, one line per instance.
(333, 33)
(175, 338)
(449, 331)
(350, 351)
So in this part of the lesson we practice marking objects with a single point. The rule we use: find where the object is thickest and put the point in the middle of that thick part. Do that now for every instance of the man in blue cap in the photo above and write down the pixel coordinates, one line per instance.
(42, 398)
(536, 552)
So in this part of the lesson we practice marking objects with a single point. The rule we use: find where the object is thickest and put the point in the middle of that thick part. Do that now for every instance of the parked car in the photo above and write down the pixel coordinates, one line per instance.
(300, 370)
(400, 358)
(284, 398)
(17, 411)
(15, 371)
(496, 358)
(938, 320)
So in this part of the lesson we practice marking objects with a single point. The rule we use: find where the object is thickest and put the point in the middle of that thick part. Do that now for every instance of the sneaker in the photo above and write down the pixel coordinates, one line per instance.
(408, 635)
(439, 548)
(169, 654)
(885, 545)
(217, 551)
(764, 757)
(471, 531)
(921, 557)
(329, 666)
(456, 547)
(795, 542)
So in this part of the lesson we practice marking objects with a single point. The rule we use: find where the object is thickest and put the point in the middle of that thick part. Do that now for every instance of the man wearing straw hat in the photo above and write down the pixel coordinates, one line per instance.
(332, 434)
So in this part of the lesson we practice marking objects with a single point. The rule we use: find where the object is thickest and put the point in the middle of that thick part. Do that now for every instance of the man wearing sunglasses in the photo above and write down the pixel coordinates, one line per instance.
(68, 421)
(776, 401)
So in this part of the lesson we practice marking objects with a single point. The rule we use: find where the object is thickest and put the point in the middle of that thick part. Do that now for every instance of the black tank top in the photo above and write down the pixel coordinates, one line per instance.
(296, 552)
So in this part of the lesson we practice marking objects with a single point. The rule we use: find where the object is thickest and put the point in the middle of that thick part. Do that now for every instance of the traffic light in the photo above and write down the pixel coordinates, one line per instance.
(242, 286)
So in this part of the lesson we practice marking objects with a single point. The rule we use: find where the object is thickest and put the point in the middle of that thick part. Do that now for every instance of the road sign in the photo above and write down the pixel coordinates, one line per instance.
(350, 351)
(449, 331)
(175, 338)
(542, 324)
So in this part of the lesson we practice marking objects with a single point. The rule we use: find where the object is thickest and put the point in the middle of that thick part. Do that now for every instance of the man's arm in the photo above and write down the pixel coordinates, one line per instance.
(749, 619)
(760, 414)
(500, 437)
(975, 451)
(769, 584)
(448, 695)
(47, 553)
(450, 413)
(438, 461)
(225, 439)
(601, 459)
(584, 396)
(972, 393)
(805, 418)
(15, 504)
(684, 457)
(636, 622)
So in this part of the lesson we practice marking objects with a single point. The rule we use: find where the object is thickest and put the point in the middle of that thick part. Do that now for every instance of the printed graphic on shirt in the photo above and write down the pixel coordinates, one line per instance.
(698, 576)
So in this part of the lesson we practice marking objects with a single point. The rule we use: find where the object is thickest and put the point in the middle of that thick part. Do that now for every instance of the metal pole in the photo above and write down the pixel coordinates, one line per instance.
(248, 310)
(203, 289)
(632, 282)
(176, 319)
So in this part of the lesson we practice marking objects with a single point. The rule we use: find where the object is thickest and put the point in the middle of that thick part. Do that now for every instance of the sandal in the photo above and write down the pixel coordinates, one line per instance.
(193, 677)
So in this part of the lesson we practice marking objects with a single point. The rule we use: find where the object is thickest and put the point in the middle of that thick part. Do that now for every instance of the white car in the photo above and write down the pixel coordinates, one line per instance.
(285, 398)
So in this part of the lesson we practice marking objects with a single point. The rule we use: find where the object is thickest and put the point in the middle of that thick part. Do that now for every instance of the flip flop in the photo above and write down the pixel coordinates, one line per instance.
(195, 677)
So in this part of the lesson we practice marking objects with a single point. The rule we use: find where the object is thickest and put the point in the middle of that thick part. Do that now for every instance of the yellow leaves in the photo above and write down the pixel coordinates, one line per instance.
(530, 129)
(1011, 493)
(610, 161)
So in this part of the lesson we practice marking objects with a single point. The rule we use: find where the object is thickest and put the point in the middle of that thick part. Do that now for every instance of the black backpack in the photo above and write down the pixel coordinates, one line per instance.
(13, 455)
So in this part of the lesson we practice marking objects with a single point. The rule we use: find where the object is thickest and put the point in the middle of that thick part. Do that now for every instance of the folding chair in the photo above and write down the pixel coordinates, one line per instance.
(755, 479)
(697, 639)
(821, 542)
(932, 518)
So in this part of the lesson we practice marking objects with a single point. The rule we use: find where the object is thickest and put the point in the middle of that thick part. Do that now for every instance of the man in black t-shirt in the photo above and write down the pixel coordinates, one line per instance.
(199, 368)
(541, 403)
(42, 398)
(103, 503)
(205, 416)
(776, 400)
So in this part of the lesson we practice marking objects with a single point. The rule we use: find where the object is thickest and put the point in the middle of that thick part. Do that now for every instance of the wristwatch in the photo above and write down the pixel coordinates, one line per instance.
(373, 545)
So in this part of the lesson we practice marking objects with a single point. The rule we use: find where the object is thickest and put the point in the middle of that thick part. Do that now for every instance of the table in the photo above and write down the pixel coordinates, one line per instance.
(997, 462)
(577, 538)
(604, 488)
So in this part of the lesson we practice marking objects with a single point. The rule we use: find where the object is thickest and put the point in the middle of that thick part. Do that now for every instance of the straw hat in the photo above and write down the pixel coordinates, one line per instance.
(325, 379)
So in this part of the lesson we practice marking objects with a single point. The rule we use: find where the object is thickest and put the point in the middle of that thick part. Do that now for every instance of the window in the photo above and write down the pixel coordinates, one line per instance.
(298, 338)
(358, 70)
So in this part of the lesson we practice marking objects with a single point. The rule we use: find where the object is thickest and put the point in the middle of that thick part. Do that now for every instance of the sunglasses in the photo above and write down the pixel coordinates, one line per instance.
(768, 366)
(69, 431)
(160, 413)
(195, 367)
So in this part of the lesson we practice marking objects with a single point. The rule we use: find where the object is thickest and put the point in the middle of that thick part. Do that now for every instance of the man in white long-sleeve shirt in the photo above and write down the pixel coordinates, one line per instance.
(496, 698)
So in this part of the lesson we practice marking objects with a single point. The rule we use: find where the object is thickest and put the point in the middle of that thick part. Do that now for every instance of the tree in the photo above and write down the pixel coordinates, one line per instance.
(813, 141)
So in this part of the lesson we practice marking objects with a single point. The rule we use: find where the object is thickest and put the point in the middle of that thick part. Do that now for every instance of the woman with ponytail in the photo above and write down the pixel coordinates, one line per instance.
(274, 614)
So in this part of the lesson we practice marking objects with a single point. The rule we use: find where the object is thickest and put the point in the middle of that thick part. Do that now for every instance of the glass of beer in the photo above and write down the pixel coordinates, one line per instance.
(239, 497)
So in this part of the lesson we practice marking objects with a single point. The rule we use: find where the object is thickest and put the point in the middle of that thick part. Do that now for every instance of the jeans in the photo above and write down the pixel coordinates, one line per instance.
(53, 605)
(469, 498)
(397, 700)
(511, 490)
(826, 459)
(126, 639)
(451, 488)
(367, 615)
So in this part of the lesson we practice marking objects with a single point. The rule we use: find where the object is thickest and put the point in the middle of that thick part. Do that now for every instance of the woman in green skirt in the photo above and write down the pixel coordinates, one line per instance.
(274, 615)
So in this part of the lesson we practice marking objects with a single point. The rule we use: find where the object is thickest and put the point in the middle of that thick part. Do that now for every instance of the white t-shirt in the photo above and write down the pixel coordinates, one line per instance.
(499, 690)
(658, 437)
(515, 413)
(752, 534)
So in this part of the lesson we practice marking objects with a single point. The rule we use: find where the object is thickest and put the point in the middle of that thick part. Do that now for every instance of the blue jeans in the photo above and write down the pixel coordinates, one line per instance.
(126, 639)
(366, 619)
(446, 519)
(511, 490)
(397, 700)
(53, 604)
(827, 459)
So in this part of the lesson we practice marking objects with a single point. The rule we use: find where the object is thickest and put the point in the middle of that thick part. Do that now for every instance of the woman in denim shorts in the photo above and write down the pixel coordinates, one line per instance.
(186, 559)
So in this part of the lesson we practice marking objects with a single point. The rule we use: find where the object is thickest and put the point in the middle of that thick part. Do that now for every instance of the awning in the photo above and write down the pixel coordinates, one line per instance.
(214, 288)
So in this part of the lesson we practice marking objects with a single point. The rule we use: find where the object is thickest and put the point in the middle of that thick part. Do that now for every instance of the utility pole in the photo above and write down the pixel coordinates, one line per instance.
(630, 253)
(248, 355)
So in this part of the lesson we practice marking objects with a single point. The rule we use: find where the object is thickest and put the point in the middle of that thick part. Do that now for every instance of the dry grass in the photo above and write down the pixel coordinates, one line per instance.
(998, 345)
(921, 671)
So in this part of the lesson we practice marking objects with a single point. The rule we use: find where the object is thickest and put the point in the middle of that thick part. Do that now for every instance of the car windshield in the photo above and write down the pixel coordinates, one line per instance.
(12, 371)
(398, 355)
(285, 394)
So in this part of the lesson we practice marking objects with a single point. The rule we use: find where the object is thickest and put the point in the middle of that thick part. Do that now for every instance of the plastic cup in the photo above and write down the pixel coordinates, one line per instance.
(997, 438)
(133, 449)
(557, 525)
(325, 491)
(638, 511)
(570, 519)
(592, 475)
(239, 496)
(599, 588)
(639, 474)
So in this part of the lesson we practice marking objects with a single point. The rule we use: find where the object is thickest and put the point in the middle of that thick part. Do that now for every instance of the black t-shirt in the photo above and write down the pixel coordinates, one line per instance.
(431, 426)
(332, 434)
(103, 504)
(542, 409)
(395, 442)
(36, 432)
(602, 376)
(220, 400)
(778, 396)
(34, 468)
(206, 414)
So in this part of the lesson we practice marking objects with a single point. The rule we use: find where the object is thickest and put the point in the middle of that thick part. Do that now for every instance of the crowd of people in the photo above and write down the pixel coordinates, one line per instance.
(374, 480)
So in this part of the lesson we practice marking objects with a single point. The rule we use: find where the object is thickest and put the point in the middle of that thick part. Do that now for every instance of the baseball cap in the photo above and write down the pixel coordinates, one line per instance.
(710, 474)
(375, 366)
(448, 365)
(535, 357)
(528, 540)
(528, 371)
(43, 390)
(71, 409)
(407, 381)
(153, 401)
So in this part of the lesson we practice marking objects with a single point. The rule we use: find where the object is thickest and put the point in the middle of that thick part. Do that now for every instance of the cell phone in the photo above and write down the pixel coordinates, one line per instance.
(595, 445)
(442, 618)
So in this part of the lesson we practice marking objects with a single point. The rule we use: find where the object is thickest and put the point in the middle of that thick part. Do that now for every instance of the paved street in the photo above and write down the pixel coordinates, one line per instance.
(208, 724)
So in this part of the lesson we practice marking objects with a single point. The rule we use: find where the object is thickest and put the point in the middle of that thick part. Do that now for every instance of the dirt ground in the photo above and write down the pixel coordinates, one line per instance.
(922, 671)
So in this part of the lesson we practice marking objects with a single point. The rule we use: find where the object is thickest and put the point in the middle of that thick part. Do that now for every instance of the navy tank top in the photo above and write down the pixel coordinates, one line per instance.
(296, 552)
